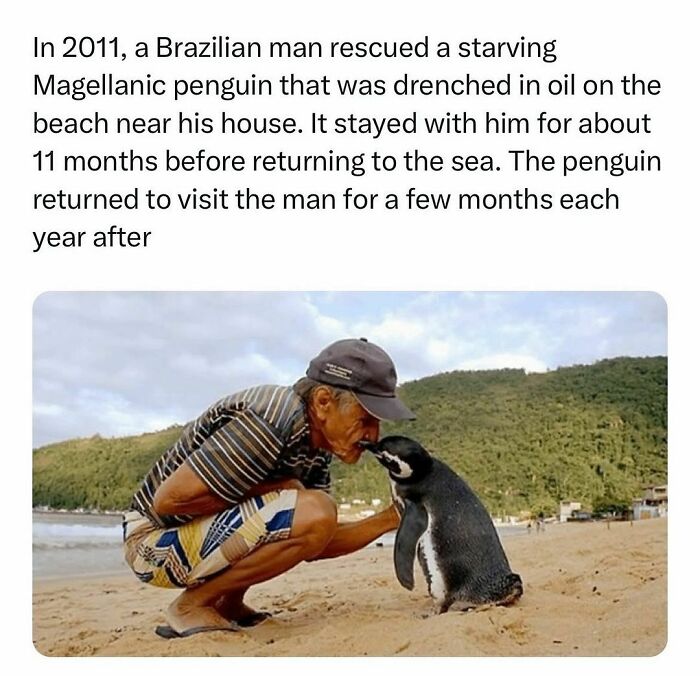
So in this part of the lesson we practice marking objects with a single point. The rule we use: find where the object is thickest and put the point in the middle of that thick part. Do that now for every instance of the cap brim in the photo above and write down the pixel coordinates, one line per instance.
(385, 408)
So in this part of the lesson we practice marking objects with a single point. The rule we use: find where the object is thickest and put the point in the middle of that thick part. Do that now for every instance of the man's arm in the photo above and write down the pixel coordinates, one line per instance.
(349, 537)
(183, 492)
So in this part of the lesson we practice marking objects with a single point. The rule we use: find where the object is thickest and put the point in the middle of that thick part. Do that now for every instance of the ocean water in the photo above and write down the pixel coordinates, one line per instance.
(67, 545)
(73, 545)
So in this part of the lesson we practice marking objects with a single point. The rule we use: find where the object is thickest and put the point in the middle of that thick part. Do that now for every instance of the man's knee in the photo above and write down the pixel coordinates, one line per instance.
(315, 520)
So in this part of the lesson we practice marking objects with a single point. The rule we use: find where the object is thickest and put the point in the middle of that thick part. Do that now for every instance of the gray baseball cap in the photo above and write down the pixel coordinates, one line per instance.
(365, 369)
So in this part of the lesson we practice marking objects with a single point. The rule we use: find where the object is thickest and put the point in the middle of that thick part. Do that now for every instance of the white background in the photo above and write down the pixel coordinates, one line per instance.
(648, 245)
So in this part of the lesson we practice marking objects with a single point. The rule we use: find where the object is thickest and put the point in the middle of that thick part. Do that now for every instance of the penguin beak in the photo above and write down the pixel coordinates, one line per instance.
(368, 446)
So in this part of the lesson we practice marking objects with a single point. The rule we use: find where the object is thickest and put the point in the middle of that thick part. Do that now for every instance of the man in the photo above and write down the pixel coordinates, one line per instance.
(242, 496)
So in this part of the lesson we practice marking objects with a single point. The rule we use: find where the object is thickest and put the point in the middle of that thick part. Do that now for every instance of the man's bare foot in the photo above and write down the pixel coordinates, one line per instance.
(182, 615)
(232, 607)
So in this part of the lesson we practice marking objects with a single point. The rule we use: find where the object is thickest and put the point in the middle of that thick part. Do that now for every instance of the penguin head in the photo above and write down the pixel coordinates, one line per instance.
(406, 460)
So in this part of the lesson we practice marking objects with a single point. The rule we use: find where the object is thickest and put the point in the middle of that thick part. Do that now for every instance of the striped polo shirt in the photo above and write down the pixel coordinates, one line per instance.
(240, 441)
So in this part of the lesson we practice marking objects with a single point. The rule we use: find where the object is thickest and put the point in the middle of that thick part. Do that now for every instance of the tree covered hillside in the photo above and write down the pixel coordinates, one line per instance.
(594, 434)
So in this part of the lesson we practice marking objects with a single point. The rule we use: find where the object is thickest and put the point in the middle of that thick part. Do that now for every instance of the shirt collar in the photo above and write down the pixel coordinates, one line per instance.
(299, 430)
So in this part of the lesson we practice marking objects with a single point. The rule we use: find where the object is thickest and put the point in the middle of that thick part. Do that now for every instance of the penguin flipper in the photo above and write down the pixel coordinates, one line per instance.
(413, 524)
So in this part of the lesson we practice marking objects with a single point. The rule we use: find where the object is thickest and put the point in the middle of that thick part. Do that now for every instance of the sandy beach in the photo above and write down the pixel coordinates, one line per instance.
(590, 589)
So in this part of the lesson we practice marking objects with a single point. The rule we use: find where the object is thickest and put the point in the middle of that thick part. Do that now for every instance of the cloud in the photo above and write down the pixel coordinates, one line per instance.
(123, 363)
(527, 362)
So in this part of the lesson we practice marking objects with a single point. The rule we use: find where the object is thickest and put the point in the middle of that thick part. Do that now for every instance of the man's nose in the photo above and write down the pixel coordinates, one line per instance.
(372, 433)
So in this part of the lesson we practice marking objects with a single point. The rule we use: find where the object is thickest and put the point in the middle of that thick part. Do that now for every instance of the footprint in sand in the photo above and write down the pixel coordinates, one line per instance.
(293, 602)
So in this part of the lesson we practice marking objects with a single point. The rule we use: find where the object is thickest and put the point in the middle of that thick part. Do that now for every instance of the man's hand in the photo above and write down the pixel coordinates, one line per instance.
(286, 483)
(395, 511)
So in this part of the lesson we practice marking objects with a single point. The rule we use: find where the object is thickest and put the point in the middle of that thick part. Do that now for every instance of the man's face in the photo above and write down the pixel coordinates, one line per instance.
(346, 424)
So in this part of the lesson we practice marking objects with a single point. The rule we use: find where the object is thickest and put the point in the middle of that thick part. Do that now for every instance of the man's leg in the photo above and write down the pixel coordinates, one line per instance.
(232, 607)
(313, 526)
(347, 538)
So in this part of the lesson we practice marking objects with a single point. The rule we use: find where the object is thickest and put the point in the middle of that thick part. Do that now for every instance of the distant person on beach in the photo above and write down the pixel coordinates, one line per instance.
(242, 497)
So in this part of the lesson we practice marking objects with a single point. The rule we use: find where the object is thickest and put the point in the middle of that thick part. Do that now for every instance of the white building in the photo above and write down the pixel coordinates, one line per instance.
(653, 504)
(567, 508)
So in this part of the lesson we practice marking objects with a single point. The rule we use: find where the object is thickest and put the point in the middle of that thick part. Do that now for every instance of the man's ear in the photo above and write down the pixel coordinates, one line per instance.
(321, 401)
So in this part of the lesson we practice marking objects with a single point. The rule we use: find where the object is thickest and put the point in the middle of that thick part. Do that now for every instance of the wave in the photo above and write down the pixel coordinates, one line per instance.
(65, 536)
(58, 546)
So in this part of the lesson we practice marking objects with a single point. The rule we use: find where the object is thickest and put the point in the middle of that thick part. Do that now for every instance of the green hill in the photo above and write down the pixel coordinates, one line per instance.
(595, 434)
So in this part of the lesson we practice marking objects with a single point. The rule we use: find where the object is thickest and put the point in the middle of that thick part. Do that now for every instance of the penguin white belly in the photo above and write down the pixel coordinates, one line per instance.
(426, 549)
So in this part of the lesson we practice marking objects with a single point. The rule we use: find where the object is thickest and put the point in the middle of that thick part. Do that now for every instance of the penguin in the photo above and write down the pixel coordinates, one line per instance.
(447, 525)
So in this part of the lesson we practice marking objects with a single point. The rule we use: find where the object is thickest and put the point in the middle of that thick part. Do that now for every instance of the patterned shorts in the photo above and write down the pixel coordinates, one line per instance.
(187, 555)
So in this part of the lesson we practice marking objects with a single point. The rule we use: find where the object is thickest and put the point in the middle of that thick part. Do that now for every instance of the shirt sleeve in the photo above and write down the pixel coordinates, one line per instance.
(237, 456)
(320, 478)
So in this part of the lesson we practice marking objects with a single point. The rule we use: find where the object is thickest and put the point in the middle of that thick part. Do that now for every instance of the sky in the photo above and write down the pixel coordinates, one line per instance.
(125, 363)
